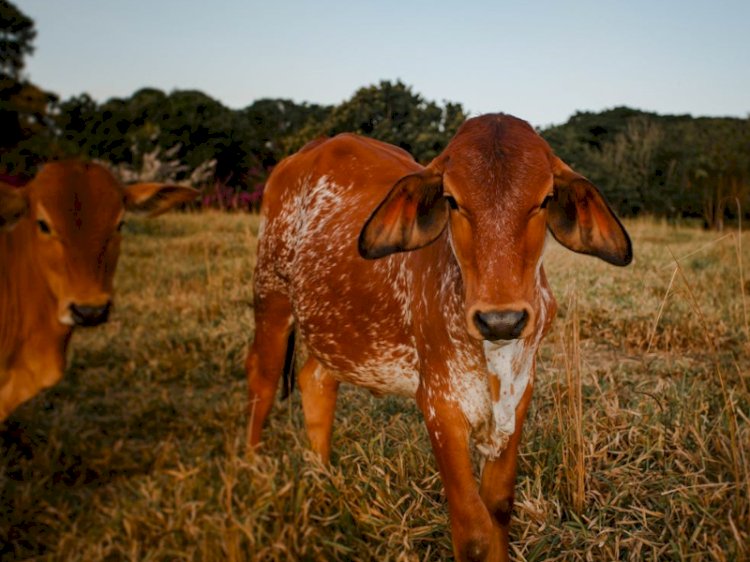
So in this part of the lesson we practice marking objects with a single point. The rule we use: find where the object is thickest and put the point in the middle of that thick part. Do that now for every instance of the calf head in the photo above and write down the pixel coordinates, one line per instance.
(498, 189)
(72, 214)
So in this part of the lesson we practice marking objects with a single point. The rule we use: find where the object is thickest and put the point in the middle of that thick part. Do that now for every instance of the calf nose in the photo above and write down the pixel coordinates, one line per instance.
(501, 324)
(90, 315)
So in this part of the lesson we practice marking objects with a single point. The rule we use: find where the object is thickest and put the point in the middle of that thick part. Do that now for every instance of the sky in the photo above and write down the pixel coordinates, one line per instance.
(540, 60)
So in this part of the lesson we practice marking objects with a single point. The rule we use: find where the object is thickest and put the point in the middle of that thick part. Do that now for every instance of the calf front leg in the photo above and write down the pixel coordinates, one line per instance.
(497, 488)
(471, 524)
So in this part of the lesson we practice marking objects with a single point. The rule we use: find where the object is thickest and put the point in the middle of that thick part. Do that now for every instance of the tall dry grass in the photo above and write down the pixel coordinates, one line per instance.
(636, 446)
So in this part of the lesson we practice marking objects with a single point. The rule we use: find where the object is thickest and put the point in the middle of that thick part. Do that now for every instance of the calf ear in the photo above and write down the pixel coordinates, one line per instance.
(13, 206)
(412, 215)
(580, 219)
(157, 198)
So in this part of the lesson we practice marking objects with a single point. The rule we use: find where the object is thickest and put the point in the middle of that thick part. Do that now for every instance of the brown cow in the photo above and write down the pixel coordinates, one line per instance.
(449, 304)
(59, 244)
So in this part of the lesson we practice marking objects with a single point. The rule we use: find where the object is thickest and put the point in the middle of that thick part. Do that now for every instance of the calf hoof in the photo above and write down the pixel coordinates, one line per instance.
(475, 550)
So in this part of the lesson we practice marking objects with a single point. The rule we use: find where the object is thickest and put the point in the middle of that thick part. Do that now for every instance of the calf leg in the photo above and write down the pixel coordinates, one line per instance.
(13, 394)
(499, 480)
(319, 391)
(471, 525)
(38, 365)
(265, 359)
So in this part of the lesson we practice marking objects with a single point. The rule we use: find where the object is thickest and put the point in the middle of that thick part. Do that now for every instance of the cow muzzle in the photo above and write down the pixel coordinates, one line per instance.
(89, 315)
(496, 325)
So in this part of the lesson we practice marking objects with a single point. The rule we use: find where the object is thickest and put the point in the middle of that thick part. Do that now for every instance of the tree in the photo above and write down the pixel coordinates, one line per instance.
(24, 107)
(273, 122)
(17, 34)
(668, 165)
(393, 113)
(626, 166)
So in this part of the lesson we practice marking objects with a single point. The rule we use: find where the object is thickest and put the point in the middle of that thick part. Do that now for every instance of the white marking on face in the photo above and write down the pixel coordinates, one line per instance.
(66, 318)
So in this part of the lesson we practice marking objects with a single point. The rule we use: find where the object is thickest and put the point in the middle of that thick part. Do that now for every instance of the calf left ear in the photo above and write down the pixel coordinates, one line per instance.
(13, 206)
(412, 215)
(157, 198)
(580, 219)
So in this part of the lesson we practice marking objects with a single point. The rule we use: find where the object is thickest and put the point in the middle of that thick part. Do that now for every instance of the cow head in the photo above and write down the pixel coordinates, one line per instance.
(72, 215)
(498, 188)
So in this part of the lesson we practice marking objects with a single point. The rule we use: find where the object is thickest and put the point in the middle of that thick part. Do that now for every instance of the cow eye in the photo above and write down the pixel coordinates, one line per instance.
(120, 225)
(43, 227)
(545, 202)
(451, 202)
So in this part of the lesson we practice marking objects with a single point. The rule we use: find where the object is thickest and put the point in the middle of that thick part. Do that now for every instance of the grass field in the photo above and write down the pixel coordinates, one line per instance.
(637, 446)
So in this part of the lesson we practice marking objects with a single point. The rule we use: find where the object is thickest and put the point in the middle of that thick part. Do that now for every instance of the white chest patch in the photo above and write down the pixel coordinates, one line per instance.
(511, 364)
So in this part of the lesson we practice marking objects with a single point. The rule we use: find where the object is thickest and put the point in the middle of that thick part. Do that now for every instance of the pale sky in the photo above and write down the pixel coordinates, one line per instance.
(540, 60)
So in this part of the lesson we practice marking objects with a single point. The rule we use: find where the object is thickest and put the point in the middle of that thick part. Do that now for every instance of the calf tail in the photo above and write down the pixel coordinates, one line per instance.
(288, 380)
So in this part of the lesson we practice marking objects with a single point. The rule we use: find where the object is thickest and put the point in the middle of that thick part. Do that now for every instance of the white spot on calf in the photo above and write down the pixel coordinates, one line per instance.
(511, 364)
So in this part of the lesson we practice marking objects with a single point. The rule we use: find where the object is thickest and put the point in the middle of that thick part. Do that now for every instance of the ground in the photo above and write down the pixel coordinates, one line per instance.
(637, 445)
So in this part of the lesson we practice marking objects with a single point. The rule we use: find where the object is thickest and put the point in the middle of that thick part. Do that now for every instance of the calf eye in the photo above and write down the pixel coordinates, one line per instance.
(120, 225)
(43, 227)
(451, 202)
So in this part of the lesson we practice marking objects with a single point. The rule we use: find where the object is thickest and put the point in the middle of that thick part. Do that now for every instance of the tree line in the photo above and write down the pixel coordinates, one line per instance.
(673, 166)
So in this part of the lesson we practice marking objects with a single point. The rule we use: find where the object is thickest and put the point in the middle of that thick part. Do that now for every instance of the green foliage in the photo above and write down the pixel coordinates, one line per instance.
(17, 34)
(671, 166)
(393, 113)
(665, 165)
(24, 107)
(247, 143)
(273, 123)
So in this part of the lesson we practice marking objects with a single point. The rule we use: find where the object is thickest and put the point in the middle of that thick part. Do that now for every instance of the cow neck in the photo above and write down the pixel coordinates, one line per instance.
(27, 305)
(438, 293)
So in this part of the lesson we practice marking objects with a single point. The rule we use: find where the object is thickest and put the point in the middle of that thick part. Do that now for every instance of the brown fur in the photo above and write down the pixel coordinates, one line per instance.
(67, 259)
(406, 322)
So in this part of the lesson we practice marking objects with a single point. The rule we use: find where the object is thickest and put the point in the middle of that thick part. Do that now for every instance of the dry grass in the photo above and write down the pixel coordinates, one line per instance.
(636, 447)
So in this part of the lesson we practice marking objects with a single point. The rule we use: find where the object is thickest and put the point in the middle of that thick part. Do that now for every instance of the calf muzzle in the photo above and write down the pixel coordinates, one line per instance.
(501, 324)
(90, 315)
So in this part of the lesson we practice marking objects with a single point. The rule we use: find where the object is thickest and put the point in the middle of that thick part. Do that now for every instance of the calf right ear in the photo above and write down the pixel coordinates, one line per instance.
(413, 214)
(13, 206)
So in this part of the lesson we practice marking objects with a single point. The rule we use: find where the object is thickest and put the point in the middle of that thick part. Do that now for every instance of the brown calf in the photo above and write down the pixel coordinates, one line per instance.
(449, 304)
(59, 244)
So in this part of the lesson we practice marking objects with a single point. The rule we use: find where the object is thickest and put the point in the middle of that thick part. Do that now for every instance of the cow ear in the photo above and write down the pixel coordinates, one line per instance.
(13, 206)
(413, 214)
(580, 219)
(157, 198)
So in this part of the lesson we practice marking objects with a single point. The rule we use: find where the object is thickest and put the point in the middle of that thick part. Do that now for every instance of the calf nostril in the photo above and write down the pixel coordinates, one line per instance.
(481, 324)
(520, 323)
(501, 324)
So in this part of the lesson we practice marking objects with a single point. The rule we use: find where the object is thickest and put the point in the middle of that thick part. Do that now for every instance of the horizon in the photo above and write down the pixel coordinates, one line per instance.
(670, 59)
